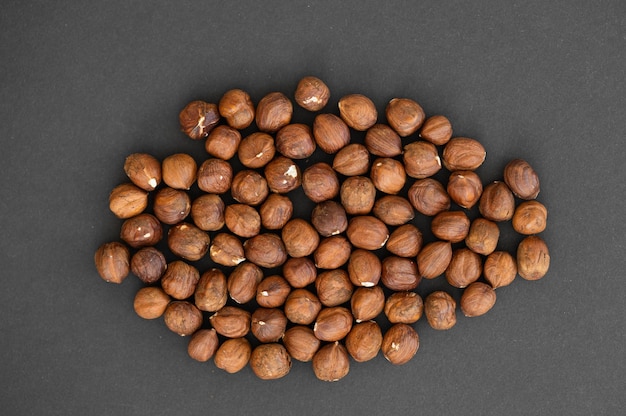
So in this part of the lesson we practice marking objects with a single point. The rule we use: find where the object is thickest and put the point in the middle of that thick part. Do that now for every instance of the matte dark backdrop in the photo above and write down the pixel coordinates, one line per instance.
(83, 84)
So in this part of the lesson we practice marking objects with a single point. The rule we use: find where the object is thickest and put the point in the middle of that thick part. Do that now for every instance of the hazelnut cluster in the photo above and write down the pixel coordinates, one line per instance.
(338, 286)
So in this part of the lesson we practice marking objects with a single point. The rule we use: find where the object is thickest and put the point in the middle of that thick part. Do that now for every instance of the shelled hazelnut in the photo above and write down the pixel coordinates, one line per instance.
(233, 355)
(364, 268)
(127, 200)
(364, 340)
(211, 292)
(207, 212)
(180, 279)
(188, 241)
(463, 153)
(295, 141)
(437, 130)
(522, 179)
(367, 232)
(249, 187)
(451, 226)
(231, 321)
(237, 108)
(332, 252)
(182, 317)
(282, 175)
(215, 176)
(530, 217)
(242, 220)
(256, 150)
(330, 132)
(329, 218)
(223, 142)
(357, 195)
(440, 310)
(428, 197)
(333, 323)
(399, 273)
(300, 238)
(404, 307)
(393, 210)
(302, 307)
(434, 258)
(270, 361)
(405, 241)
(143, 170)
(148, 264)
(320, 182)
(226, 250)
(333, 287)
(381, 140)
(533, 258)
(483, 236)
(312, 93)
(265, 250)
(388, 175)
(301, 343)
(404, 115)
(400, 344)
(243, 282)
(198, 118)
(142, 230)
(331, 362)
(367, 303)
(150, 302)
(465, 268)
(203, 345)
(465, 188)
(421, 159)
(272, 291)
(273, 111)
(268, 324)
(352, 160)
(477, 299)
(179, 171)
(171, 206)
(358, 111)
(112, 262)
(497, 202)
(500, 269)
(299, 272)
(276, 211)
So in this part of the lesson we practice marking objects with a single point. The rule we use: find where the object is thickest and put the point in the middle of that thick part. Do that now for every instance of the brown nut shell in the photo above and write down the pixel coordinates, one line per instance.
(207, 212)
(497, 202)
(333, 324)
(211, 292)
(302, 306)
(331, 133)
(352, 160)
(522, 179)
(179, 171)
(364, 340)
(364, 268)
(270, 361)
(332, 252)
(276, 211)
(357, 195)
(112, 262)
(312, 93)
(437, 130)
(381, 140)
(295, 141)
(265, 250)
(237, 108)
(182, 317)
(399, 273)
(477, 299)
(450, 226)
(188, 241)
(358, 111)
(404, 115)
(268, 324)
(243, 282)
(465, 268)
(282, 175)
(405, 241)
(198, 118)
(388, 175)
(242, 220)
(150, 302)
(272, 291)
(299, 272)
(148, 264)
(331, 362)
(127, 200)
(530, 217)
(393, 210)
(143, 170)
(223, 142)
(465, 188)
(215, 176)
(483, 236)
(367, 232)
(142, 230)
(333, 287)
(421, 159)
(233, 355)
(428, 197)
(231, 321)
(301, 343)
(256, 150)
(329, 218)
(171, 206)
(180, 279)
(463, 153)
(320, 182)
(273, 111)
(400, 344)
(367, 303)
(300, 238)
(404, 307)
(500, 269)
(249, 187)
(533, 258)
(226, 250)
(440, 310)
(203, 345)
(434, 258)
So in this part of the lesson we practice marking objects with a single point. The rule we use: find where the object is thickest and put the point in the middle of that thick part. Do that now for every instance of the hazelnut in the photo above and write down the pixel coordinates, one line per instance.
(275, 211)
(203, 345)
(227, 250)
(358, 111)
(223, 142)
(127, 200)
(381, 140)
(302, 307)
(249, 187)
(367, 232)
(497, 202)
(273, 112)
(242, 220)
(400, 344)
(533, 258)
(211, 292)
(421, 159)
(295, 141)
(428, 197)
(530, 217)
(333, 287)
(148, 264)
(188, 241)
(233, 355)
(272, 291)
(237, 109)
(500, 269)
(452, 226)
(333, 324)
(465, 188)
(243, 282)
(207, 212)
(112, 262)
(465, 267)
(477, 299)
(171, 206)
(364, 268)
(301, 343)
(364, 341)
(367, 303)
(437, 130)
(179, 171)
(215, 176)
(399, 273)
(440, 310)
(231, 321)
(320, 182)
(180, 279)
(358, 195)
(332, 252)
(268, 324)
(483, 236)
(404, 307)
(331, 362)
(404, 115)
(330, 132)
(150, 302)
(352, 160)
(405, 241)
(270, 361)
(299, 272)
(141, 231)
(329, 218)
(265, 250)
(182, 317)
(198, 118)
(388, 175)
(393, 210)
(256, 150)
(143, 170)
(312, 94)
(282, 175)
(463, 153)
(300, 238)
(522, 179)
(434, 258)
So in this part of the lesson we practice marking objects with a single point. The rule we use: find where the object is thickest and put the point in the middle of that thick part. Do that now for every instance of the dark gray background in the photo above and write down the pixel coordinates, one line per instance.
(85, 84)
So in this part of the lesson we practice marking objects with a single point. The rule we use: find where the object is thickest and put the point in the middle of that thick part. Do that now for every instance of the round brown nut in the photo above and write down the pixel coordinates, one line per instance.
(451, 226)
(270, 361)
(268, 324)
(332, 252)
(434, 258)
(364, 268)
(330, 132)
(352, 160)
(465, 268)
(421, 159)
(215, 176)
(203, 345)
(233, 355)
(272, 291)
(142, 230)
(381, 140)
(273, 112)
(171, 206)
(299, 272)
(333, 324)
(333, 287)
(312, 93)
(331, 362)
(522, 179)
(143, 170)
(198, 118)
(188, 241)
(465, 188)
(530, 217)
(404, 307)
(405, 241)
(404, 115)
(463, 153)
(256, 150)
(282, 175)
(237, 108)
(112, 262)
(300, 238)
(180, 279)
(301, 343)
(243, 282)
(320, 182)
(483, 236)
(179, 171)
(358, 111)
(437, 130)
(295, 141)
(226, 250)
(399, 273)
(127, 200)
(249, 187)
(302, 306)
(367, 303)
(231, 321)
(533, 258)
(275, 211)
(207, 212)
(497, 202)
(358, 195)
(477, 299)
(364, 341)
(367, 232)
(242, 220)
(329, 218)
(393, 210)
(211, 292)
(148, 264)
(440, 310)
(500, 269)
(150, 302)
(223, 142)
(182, 317)
(428, 197)
(400, 344)
(388, 175)
(265, 250)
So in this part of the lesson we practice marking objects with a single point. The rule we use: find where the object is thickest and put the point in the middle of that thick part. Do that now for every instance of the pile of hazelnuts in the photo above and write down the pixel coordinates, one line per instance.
(316, 289)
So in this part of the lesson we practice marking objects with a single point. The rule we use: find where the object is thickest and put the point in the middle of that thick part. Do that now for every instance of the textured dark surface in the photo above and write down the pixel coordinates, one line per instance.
(84, 85)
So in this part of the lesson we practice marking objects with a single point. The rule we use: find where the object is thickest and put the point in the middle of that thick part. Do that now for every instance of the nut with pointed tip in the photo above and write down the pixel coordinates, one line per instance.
(388, 175)
(399, 273)
(364, 268)
(143, 170)
(331, 362)
(300, 238)
(302, 307)
(203, 345)
(198, 118)
(150, 302)
(451, 226)
(333, 324)
(465, 188)
(465, 268)
(233, 355)
(148, 264)
(381, 140)
(428, 197)
(433, 259)
(357, 195)
(330, 132)
(400, 344)
(299, 272)
(367, 303)
(243, 282)
(483, 236)
(497, 202)
(352, 160)
(211, 292)
(127, 200)
(179, 171)
(226, 250)
(437, 130)
(405, 241)
(112, 262)
(404, 115)
(500, 269)
(393, 210)
(463, 153)
(273, 112)
(242, 220)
